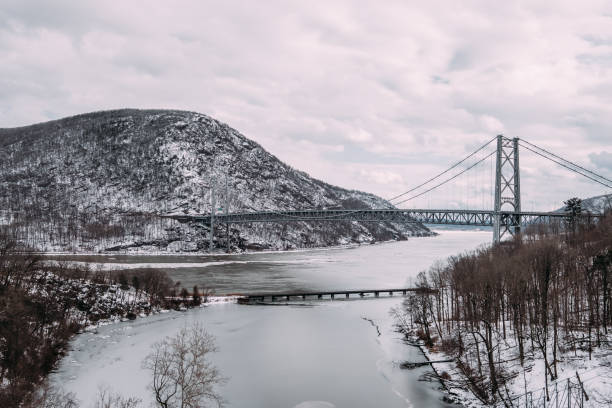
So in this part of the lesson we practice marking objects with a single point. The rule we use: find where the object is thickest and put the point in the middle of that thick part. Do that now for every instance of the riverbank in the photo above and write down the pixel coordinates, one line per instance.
(221, 252)
(526, 319)
(264, 241)
(43, 307)
(587, 375)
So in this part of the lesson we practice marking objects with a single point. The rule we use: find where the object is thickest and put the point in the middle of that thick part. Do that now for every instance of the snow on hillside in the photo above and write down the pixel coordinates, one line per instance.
(598, 204)
(99, 181)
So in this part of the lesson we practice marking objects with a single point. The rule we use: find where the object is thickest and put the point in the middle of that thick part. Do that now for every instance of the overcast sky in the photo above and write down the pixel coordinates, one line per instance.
(373, 95)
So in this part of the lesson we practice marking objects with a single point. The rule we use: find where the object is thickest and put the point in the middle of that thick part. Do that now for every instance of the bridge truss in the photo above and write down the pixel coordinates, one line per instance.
(436, 217)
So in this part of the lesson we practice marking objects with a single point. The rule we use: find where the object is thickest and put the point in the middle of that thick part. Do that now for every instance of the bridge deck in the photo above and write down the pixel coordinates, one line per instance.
(444, 217)
(329, 294)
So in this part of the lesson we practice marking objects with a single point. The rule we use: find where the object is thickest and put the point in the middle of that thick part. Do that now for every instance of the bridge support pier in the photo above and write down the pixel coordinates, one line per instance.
(212, 219)
(507, 188)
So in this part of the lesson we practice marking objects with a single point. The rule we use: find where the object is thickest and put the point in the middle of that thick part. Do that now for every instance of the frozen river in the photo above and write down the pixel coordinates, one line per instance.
(315, 354)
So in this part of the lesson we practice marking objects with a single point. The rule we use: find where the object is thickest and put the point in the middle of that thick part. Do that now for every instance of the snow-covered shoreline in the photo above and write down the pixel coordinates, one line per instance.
(213, 254)
(210, 301)
(531, 382)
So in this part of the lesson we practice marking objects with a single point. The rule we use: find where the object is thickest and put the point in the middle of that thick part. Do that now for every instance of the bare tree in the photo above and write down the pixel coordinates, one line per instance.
(182, 374)
(108, 399)
(51, 397)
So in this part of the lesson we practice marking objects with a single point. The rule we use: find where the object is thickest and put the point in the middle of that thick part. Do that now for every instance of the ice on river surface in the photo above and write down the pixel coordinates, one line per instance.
(316, 354)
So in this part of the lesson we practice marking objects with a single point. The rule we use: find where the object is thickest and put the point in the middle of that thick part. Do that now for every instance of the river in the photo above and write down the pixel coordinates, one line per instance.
(304, 355)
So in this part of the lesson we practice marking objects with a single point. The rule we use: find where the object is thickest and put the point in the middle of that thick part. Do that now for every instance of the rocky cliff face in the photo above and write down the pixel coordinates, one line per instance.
(99, 181)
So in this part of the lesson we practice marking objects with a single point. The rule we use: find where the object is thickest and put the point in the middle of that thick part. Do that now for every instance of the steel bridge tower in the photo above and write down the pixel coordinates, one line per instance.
(507, 189)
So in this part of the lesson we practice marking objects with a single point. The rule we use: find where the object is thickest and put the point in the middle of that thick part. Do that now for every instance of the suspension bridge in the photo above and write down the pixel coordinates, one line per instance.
(505, 217)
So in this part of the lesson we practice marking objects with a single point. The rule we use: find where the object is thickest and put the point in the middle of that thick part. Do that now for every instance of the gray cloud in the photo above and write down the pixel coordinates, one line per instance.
(404, 89)
(602, 160)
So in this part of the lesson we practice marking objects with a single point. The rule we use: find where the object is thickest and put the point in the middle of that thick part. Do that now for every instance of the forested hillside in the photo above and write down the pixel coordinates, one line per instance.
(99, 181)
(518, 317)
(43, 306)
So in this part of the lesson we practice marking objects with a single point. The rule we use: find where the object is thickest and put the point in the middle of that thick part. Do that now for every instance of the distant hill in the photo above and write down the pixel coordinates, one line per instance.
(99, 181)
(597, 204)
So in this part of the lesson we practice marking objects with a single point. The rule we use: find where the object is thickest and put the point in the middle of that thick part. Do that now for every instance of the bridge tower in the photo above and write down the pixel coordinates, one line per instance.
(507, 189)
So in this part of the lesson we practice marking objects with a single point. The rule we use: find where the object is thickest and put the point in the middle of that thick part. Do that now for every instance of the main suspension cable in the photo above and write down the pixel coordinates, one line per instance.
(441, 174)
(568, 167)
(447, 180)
(565, 160)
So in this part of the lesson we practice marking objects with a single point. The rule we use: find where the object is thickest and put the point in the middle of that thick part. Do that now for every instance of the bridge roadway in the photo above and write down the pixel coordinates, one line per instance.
(443, 217)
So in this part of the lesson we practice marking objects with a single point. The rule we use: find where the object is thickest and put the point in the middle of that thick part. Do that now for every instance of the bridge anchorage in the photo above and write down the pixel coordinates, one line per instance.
(506, 217)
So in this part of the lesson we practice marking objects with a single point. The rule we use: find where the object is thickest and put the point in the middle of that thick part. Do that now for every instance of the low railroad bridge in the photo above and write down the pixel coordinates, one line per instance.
(329, 294)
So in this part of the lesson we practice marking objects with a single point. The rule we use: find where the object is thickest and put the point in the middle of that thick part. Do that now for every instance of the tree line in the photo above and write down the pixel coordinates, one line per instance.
(42, 306)
(542, 294)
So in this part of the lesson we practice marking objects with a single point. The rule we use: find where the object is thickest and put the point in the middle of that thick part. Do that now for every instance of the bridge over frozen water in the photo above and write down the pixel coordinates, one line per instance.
(330, 294)
(505, 216)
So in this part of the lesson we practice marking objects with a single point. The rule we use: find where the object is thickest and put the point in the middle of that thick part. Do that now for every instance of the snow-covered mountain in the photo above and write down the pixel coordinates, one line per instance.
(598, 204)
(99, 181)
